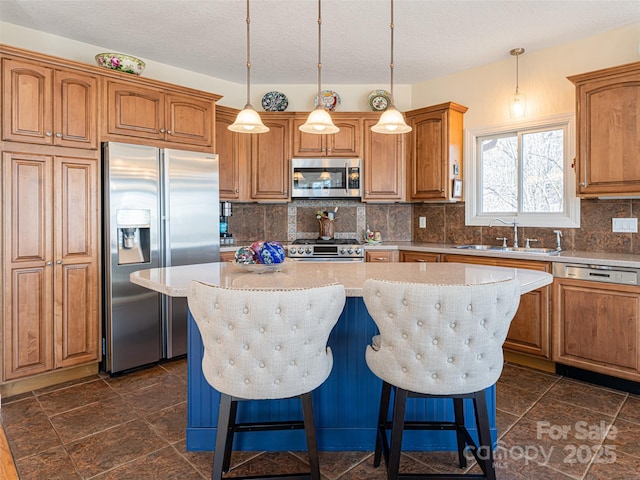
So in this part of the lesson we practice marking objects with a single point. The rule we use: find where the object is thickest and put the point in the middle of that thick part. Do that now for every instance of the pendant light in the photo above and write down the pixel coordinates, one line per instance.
(517, 101)
(319, 120)
(248, 120)
(391, 121)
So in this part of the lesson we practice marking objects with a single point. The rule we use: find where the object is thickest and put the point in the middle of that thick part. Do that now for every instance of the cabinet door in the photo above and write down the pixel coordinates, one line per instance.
(189, 120)
(27, 269)
(530, 328)
(228, 145)
(27, 102)
(75, 109)
(597, 327)
(383, 165)
(270, 165)
(407, 256)
(76, 261)
(345, 143)
(607, 133)
(428, 156)
(307, 144)
(135, 111)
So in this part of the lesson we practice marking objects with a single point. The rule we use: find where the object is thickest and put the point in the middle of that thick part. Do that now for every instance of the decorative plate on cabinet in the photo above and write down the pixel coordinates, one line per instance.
(379, 100)
(275, 102)
(329, 100)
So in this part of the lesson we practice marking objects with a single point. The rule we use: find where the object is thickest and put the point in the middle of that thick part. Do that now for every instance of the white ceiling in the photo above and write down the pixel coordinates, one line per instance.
(433, 38)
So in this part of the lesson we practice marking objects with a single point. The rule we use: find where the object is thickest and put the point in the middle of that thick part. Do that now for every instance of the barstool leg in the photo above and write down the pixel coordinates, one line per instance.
(381, 435)
(310, 431)
(458, 409)
(397, 428)
(228, 447)
(221, 436)
(484, 435)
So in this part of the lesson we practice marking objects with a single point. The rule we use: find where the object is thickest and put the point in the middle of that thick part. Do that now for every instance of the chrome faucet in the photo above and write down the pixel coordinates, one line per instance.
(558, 235)
(515, 228)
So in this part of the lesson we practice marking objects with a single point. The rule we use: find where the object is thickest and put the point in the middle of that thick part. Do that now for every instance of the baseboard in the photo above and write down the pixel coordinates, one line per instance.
(529, 361)
(48, 379)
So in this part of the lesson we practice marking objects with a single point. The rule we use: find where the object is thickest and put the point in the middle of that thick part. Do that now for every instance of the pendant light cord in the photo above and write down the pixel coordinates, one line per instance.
(319, 49)
(392, 26)
(248, 55)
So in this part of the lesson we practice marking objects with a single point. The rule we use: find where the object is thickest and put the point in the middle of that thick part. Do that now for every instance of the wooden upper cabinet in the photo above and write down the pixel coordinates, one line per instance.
(49, 106)
(608, 122)
(270, 160)
(383, 165)
(435, 151)
(228, 148)
(135, 110)
(345, 143)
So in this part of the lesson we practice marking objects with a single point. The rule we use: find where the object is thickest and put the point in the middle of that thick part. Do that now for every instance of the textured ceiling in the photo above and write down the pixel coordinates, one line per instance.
(433, 38)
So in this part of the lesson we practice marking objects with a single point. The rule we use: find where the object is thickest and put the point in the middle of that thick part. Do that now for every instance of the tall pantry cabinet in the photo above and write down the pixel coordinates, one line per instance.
(50, 203)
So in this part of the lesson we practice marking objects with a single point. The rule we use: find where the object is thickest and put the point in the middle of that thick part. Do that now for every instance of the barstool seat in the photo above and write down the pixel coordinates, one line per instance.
(265, 344)
(442, 341)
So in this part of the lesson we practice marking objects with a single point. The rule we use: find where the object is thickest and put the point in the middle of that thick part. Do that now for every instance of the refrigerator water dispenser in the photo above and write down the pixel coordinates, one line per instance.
(133, 236)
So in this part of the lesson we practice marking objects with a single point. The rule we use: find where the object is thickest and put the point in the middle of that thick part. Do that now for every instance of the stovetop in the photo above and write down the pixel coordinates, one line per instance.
(320, 241)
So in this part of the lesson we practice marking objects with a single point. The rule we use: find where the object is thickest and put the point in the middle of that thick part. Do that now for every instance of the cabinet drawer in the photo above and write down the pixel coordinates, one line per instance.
(380, 256)
(419, 257)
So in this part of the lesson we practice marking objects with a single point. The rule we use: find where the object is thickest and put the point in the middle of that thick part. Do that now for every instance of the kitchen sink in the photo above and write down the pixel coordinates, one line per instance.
(497, 248)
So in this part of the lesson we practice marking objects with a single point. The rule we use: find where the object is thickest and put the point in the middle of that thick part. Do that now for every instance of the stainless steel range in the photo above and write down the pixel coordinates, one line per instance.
(318, 250)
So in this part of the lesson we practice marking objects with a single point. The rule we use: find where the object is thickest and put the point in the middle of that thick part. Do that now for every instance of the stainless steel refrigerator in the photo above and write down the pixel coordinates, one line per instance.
(160, 208)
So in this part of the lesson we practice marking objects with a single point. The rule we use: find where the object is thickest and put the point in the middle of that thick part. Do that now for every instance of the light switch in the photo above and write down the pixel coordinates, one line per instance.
(624, 225)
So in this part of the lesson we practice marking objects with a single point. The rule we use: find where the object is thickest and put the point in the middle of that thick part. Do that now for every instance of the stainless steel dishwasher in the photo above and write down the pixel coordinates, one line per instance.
(596, 322)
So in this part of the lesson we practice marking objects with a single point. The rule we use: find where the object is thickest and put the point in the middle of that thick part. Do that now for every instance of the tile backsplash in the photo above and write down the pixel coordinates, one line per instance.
(445, 224)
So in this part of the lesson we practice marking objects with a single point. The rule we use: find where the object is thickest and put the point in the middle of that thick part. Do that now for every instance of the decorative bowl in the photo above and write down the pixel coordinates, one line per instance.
(261, 267)
(120, 62)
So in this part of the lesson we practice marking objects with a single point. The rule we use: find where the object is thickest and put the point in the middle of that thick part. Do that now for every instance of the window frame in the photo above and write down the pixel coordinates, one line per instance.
(569, 218)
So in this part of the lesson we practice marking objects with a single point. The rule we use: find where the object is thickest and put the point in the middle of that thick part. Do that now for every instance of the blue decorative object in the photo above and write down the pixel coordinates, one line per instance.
(275, 102)
(271, 252)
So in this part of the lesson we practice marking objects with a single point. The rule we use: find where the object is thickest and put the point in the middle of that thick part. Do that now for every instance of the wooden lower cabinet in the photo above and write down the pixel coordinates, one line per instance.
(227, 256)
(408, 256)
(380, 255)
(530, 328)
(597, 327)
(50, 263)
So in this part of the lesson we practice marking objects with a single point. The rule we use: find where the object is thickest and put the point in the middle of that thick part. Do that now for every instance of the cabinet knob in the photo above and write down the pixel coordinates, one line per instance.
(162, 130)
(48, 264)
(59, 262)
(286, 192)
(367, 192)
(48, 134)
(169, 132)
(583, 184)
(59, 135)
(237, 190)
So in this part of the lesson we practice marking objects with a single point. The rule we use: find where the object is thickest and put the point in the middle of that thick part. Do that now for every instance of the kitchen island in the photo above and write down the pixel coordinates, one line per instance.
(346, 405)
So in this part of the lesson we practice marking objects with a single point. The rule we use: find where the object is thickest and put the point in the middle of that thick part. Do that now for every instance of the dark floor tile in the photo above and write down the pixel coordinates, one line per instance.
(523, 470)
(504, 421)
(585, 395)
(335, 464)
(203, 461)
(176, 367)
(169, 391)
(129, 382)
(15, 398)
(630, 411)
(513, 399)
(75, 396)
(269, 463)
(95, 417)
(164, 464)
(52, 464)
(445, 462)
(170, 423)
(614, 465)
(534, 381)
(366, 471)
(70, 383)
(625, 437)
(109, 449)
(27, 428)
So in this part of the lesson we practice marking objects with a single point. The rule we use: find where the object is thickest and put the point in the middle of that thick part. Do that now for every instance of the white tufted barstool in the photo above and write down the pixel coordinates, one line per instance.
(438, 341)
(265, 344)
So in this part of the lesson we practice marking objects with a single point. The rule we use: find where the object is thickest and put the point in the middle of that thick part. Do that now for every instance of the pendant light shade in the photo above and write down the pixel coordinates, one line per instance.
(517, 101)
(319, 120)
(248, 120)
(391, 121)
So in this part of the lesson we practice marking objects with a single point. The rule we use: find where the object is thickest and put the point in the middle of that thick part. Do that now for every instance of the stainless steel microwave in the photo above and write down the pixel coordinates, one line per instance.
(326, 178)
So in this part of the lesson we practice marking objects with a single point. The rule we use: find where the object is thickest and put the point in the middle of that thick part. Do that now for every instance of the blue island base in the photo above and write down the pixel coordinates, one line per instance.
(345, 406)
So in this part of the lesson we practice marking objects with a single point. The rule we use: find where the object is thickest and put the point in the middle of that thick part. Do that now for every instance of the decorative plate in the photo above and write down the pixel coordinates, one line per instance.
(379, 100)
(261, 267)
(329, 99)
(275, 102)
(120, 62)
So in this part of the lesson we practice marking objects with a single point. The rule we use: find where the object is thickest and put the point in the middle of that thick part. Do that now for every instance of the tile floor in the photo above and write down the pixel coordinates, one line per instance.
(132, 427)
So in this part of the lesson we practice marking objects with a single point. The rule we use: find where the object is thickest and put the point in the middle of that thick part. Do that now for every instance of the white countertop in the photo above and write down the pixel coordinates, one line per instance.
(174, 281)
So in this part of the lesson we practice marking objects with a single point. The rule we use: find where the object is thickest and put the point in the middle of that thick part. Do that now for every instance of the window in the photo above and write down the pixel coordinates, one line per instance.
(523, 171)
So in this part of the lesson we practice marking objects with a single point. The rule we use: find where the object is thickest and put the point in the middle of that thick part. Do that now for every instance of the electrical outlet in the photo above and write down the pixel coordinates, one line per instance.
(624, 225)
(423, 222)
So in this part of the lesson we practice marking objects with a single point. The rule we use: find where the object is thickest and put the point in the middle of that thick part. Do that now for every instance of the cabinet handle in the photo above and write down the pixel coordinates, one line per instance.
(48, 134)
(59, 135)
(169, 132)
(162, 130)
(48, 264)
(420, 260)
(380, 259)
(59, 262)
